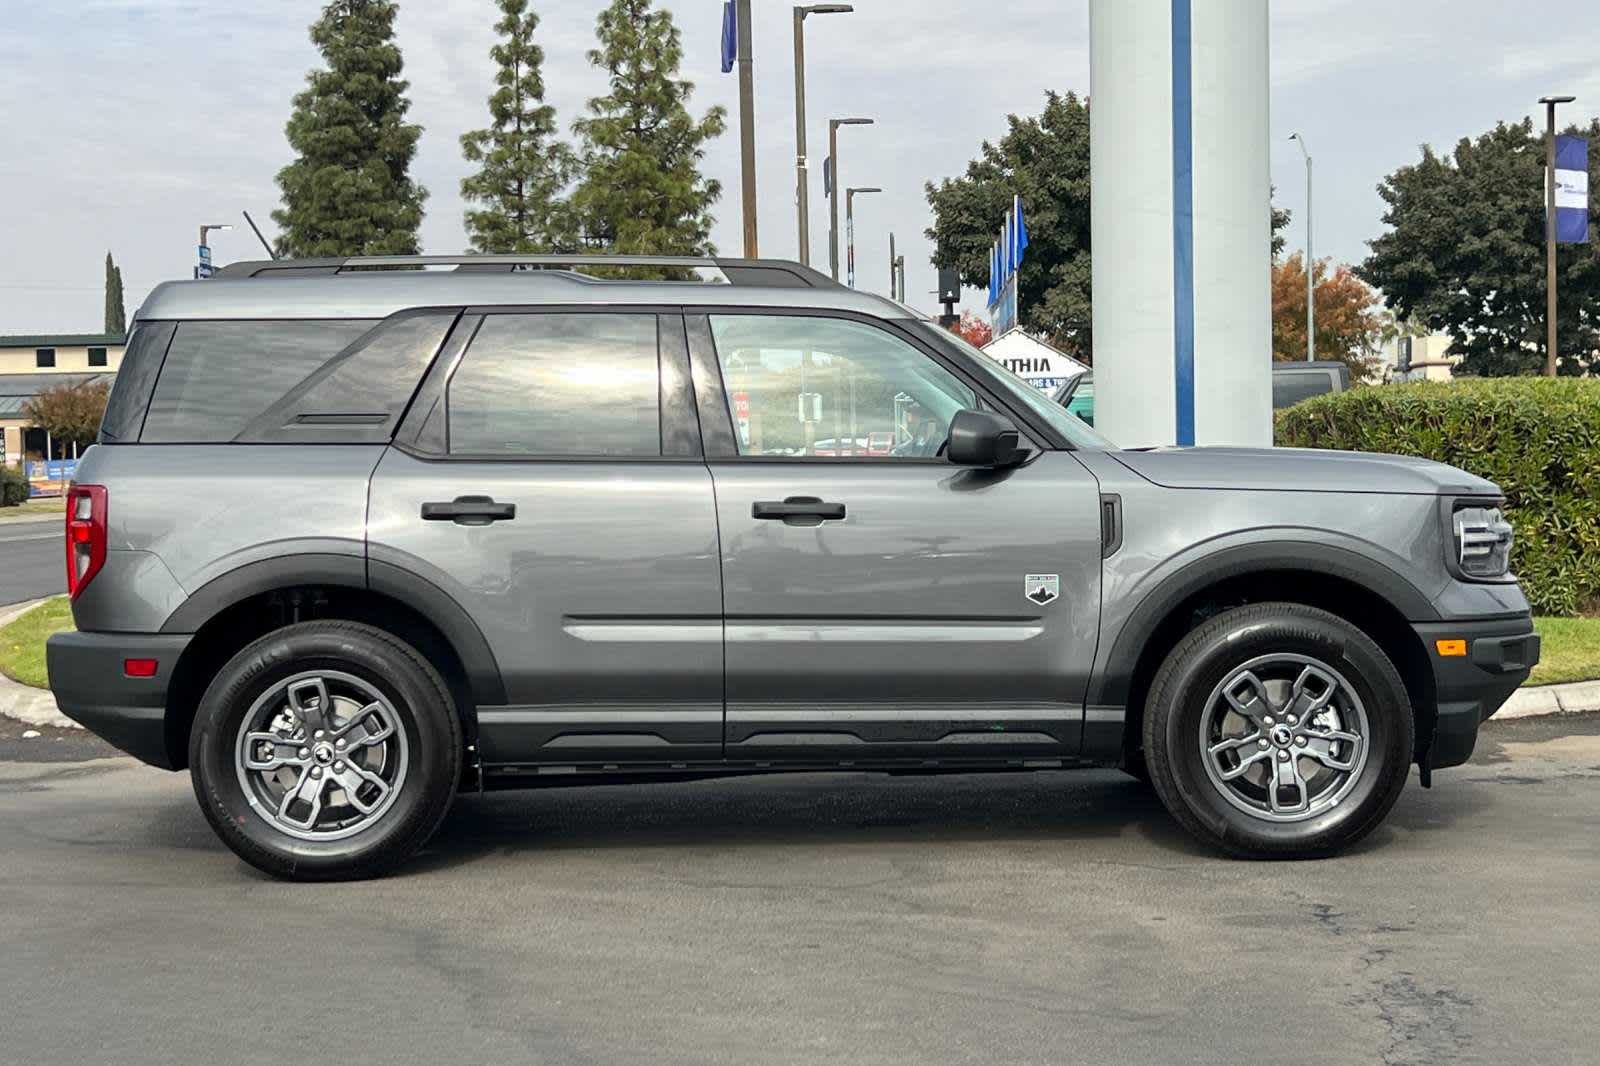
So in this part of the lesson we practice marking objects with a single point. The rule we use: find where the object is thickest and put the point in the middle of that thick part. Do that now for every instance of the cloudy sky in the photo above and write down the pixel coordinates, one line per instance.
(130, 122)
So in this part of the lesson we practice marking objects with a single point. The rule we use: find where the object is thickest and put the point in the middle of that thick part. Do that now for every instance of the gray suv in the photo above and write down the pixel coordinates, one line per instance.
(361, 534)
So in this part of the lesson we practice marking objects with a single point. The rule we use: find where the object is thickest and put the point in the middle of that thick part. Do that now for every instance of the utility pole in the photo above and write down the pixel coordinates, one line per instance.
(802, 195)
(850, 229)
(747, 129)
(893, 275)
(1551, 354)
(1311, 261)
(833, 187)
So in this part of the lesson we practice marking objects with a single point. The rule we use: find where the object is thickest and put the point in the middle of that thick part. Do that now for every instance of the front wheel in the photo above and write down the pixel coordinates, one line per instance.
(326, 751)
(1278, 731)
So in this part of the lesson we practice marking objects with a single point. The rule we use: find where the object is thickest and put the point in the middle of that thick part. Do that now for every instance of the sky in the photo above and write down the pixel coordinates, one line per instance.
(131, 122)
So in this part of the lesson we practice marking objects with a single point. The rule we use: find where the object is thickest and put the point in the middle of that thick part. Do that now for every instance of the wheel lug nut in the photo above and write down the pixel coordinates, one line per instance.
(1261, 744)
(1300, 741)
(1283, 756)
(339, 743)
(1290, 719)
(1267, 719)
(317, 735)
(338, 767)
(316, 771)
(305, 753)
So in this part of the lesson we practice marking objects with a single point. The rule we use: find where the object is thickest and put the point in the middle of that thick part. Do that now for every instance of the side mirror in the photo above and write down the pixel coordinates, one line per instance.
(983, 439)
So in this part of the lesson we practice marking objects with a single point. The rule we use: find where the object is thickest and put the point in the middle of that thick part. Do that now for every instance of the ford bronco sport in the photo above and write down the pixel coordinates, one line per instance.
(359, 534)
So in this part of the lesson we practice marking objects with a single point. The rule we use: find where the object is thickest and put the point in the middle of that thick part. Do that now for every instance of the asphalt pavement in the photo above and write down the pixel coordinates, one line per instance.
(31, 560)
(1041, 918)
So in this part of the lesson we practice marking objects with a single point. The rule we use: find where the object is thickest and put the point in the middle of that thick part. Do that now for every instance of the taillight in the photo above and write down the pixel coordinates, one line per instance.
(86, 535)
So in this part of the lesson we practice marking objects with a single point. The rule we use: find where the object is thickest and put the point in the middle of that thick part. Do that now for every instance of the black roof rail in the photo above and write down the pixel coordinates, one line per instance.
(769, 273)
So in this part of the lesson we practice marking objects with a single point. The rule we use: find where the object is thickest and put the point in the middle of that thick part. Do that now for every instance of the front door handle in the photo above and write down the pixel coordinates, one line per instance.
(798, 510)
(469, 511)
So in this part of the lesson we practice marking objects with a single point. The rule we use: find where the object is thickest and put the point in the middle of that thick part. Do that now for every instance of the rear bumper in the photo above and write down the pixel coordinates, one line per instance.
(1470, 688)
(91, 688)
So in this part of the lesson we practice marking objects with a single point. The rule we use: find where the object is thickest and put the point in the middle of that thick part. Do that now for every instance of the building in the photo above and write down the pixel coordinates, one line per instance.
(1033, 360)
(31, 364)
(1424, 358)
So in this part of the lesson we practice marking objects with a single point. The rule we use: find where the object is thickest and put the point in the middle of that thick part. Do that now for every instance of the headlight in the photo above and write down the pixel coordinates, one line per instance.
(1483, 542)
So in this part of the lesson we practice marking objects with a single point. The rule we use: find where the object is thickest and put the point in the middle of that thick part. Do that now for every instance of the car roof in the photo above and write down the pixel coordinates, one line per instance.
(294, 291)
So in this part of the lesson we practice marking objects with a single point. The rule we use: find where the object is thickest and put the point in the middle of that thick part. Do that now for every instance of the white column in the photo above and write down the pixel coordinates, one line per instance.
(1182, 221)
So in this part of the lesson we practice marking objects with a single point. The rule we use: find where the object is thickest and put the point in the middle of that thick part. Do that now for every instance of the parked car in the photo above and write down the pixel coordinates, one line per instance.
(1291, 383)
(354, 539)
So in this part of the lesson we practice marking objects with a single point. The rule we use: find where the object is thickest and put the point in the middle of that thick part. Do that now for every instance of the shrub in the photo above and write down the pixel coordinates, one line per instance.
(1537, 438)
(13, 486)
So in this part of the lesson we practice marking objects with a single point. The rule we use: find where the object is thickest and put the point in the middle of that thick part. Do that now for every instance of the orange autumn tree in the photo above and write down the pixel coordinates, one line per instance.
(1350, 321)
(973, 329)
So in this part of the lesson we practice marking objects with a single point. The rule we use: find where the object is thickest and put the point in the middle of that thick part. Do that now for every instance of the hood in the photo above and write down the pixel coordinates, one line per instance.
(1302, 470)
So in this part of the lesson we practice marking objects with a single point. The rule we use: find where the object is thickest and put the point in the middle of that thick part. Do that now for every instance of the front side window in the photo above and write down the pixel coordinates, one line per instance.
(558, 385)
(812, 387)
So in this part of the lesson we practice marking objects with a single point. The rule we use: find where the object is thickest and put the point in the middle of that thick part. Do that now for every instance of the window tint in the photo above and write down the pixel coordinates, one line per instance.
(130, 394)
(44, 357)
(805, 386)
(220, 375)
(1290, 387)
(558, 384)
(359, 395)
(97, 357)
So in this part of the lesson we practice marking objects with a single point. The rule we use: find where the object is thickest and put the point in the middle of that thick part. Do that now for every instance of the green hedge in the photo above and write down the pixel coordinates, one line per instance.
(1538, 439)
(13, 486)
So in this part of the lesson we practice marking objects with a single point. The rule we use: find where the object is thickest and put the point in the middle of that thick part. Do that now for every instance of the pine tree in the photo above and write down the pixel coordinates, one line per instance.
(349, 192)
(523, 169)
(116, 311)
(642, 190)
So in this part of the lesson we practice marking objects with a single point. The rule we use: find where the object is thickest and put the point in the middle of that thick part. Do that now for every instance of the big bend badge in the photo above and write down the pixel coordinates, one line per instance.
(1042, 589)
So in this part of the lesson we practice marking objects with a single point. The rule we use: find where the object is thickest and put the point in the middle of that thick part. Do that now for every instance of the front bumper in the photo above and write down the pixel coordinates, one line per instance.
(1468, 689)
(91, 688)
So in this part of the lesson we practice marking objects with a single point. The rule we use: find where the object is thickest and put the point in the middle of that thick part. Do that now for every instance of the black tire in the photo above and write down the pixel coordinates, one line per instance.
(1204, 660)
(424, 711)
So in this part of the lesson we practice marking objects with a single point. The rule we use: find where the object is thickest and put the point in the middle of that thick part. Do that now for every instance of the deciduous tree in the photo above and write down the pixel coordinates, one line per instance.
(974, 329)
(70, 413)
(642, 191)
(1350, 321)
(349, 190)
(515, 197)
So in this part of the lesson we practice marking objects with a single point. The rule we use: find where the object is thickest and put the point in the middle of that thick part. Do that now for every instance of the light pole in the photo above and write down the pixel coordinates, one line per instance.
(1311, 261)
(1550, 350)
(850, 227)
(802, 198)
(203, 270)
(833, 187)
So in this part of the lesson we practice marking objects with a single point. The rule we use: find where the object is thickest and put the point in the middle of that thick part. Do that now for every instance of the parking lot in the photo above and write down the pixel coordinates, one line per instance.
(1043, 918)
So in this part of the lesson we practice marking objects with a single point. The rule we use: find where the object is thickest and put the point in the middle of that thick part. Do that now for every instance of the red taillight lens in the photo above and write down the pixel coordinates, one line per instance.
(86, 535)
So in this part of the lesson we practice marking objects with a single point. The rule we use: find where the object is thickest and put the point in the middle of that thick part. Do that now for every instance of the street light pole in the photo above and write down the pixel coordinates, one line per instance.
(205, 232)
(747, 129)
(850, 226)
(1311, 261)
(833, 188)
(802, 198)
(1551, 354)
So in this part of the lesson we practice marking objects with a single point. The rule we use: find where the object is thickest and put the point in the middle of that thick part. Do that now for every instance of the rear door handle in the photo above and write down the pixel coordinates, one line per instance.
(469, 511)
(798, 510)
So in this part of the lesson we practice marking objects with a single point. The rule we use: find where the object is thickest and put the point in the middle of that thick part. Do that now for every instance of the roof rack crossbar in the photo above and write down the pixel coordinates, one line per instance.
(755, 272)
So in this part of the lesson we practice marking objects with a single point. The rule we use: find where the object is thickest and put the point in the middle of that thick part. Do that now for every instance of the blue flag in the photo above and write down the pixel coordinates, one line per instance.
(730, 36)
(1572, 190)
(1022, 229)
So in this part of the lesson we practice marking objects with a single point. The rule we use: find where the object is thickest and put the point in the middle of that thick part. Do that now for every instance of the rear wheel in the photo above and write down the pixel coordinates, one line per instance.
(1278, 730)
(325, 751)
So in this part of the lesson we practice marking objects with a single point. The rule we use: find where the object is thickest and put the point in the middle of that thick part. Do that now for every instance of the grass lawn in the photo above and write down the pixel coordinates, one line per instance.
(40, 507)
(22, 642)
(1571, 646)
(1571, 650)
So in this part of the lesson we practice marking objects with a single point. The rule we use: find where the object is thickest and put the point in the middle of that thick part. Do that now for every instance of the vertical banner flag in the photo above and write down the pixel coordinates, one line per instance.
(1005, 260)
(1572, 190)
(730, 36)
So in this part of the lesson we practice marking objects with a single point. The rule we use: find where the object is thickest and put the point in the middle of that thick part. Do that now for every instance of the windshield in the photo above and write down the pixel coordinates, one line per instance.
(1069, 425)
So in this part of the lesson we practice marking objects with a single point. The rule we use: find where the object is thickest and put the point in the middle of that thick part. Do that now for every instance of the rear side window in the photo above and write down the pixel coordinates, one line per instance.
(1289, 387)
(558, 385)
(141, 362)
(219, 376)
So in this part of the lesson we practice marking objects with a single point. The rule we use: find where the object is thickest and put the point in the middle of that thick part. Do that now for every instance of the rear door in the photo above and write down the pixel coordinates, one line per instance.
(880, 603)
(550, 479)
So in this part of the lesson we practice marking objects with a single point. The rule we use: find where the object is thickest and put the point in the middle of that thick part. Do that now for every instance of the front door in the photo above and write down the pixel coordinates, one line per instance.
(879, 602)
(550, 481)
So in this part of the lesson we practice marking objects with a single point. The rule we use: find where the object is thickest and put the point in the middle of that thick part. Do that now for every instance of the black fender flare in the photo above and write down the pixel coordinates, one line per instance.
(354, 572)
(1113, 677)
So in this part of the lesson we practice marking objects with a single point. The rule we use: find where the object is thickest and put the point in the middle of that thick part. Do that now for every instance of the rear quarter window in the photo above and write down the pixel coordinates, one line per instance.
(218, 377)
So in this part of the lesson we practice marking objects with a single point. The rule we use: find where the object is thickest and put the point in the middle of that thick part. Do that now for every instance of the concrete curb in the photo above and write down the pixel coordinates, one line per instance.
(1575, 698)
